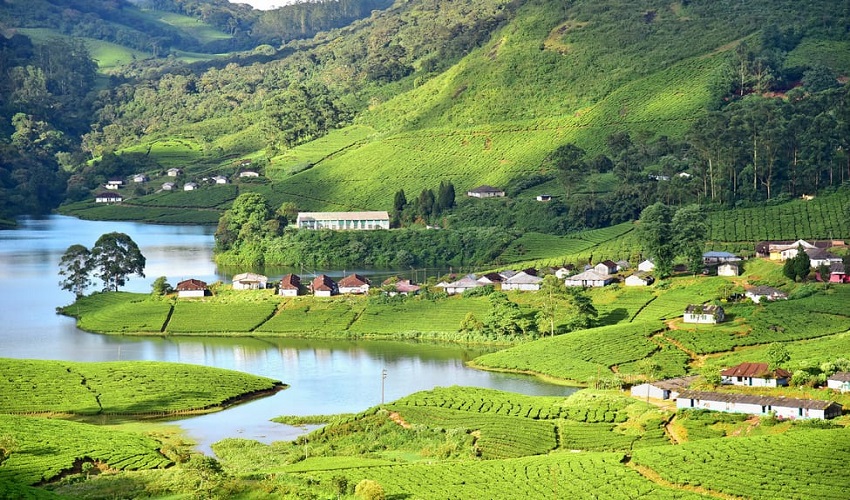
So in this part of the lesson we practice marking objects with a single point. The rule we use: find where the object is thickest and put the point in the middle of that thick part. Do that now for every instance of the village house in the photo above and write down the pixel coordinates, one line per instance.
(623, 265)
(646, 266)
(838, 274)
(764, 292)
(544, 197)
(290, 286)
(788, 251)
(168, 186)
(663, 389)
(114, 184)
(400, 286)
(784, 408)
(485, 192)
(174, 172)
(190, 186)
(248, 173)
(820, 257)
(491, 279)
(639, 279)
(354, 283)
(467, 282)
(704, 314)
(606, 267)
(219, 179)
(755, 375)
(323, 286)
(719, 257)
(839, 381)
(250, 281)
(343, 220)
(191, 288)
(728, 269)
(591, 277)
(564, 271)
(108, 198)
(138, 178)
(507, 274)
(522, 281)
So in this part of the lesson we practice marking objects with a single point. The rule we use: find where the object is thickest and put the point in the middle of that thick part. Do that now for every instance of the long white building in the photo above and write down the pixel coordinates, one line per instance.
(344, 220)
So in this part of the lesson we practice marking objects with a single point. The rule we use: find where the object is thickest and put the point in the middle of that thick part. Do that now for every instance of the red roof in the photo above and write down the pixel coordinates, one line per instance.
(191, 284)
(353, 280)
(757, 370)
(323, 283)
(290, 282)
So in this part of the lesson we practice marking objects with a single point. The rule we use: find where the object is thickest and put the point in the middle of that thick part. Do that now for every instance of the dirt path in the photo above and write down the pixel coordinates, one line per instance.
(395, 417)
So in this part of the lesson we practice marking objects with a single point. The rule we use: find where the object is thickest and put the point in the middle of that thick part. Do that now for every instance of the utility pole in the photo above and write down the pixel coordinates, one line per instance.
(383, 378)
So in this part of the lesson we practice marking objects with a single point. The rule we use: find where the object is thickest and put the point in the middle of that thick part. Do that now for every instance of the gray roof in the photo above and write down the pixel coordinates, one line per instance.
(675, 384)
(523, 278)
(766, 290)
(485, 189)
(729, 397)
(840, 376)
(590, 275)
(343, 215)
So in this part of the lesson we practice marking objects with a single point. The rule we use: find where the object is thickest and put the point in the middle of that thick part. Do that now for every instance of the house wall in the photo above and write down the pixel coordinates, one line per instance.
(288, 292)
(525, 287)
(838, 385)
(646, 267)
(700, 318)
(649, 390)
(190, 293)
(240, 285)
(354, 289)
(727, 271)
(755, 381)
(322, 293)
(635, 281)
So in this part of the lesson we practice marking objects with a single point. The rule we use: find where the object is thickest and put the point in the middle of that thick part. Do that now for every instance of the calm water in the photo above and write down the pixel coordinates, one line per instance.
(325, 377)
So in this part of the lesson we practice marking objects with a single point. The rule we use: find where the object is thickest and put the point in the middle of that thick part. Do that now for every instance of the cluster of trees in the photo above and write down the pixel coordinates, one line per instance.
(563, 309)
(426, 207)
(800, 266)
(112, 259)
(667, 232)
(43, 97)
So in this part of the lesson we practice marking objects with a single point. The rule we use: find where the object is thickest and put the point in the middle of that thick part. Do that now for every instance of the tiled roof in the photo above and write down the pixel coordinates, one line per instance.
(758, 370)
(353, 280)
(191, 284)
(729, 397)
(290, 281)
(323, 283)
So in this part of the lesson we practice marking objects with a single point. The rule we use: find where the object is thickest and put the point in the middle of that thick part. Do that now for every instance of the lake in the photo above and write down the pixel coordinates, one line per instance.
(325, 377)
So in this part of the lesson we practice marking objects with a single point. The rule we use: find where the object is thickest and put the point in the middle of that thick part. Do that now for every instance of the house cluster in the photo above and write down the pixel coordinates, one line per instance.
(749, 375)
(818, 252)
(114, 184)
(291, 285)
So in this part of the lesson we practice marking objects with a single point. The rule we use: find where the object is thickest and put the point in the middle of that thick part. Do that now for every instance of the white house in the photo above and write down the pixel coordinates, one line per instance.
(704, 313)
(759, 293)
(168, 186)
(719, 257)
(191, 288)
(728, 269)
(544, 197)
(354, 283)
(755, 375)
(248, 173)
(491, 279)
(323, 286)
(789, 251)
(564, 271)
(639, 279)
(790, 408)
(141, 178)
(663, 389)
(606, 267)
(589, 278)
(343, 220)
(173, 172)
(820, 257)
(467, 282)
(485, 191)
(108, 198)
(290, 286)
(250, 281)
(839, 381)
(646, 266)
(190, 186)
(522, 281)
(219, 179)
(114, 184)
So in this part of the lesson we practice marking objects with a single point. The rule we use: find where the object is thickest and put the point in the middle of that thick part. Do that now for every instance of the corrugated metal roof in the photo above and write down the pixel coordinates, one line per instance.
(840, 376)
(758, 370)
(376, 215)
(729, 397)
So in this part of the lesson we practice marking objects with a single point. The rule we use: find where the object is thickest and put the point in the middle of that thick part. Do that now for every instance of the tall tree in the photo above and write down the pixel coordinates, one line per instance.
(655, 231)
(690, 234)
(445, 196)
(554, 295)
(75, 266)
(569, 164)
(115, 256)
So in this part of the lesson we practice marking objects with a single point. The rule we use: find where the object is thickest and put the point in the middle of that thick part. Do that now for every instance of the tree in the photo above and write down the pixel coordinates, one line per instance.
(246, 220)
(584, 311)
(505, 318)
(690, 234)
(777, 355)
(445, 196)
(802, 263)
(470, 324)
(76, 267)
(568, 161)
(161, 286)
(426, 203)
(656, 234)
(114, 257)
(554, 294)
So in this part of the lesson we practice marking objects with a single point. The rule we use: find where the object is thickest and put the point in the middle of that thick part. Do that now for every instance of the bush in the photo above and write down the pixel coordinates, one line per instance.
(369, 490)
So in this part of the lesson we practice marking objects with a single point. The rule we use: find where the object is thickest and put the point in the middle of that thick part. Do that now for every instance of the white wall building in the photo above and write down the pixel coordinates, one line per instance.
(343, 220)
